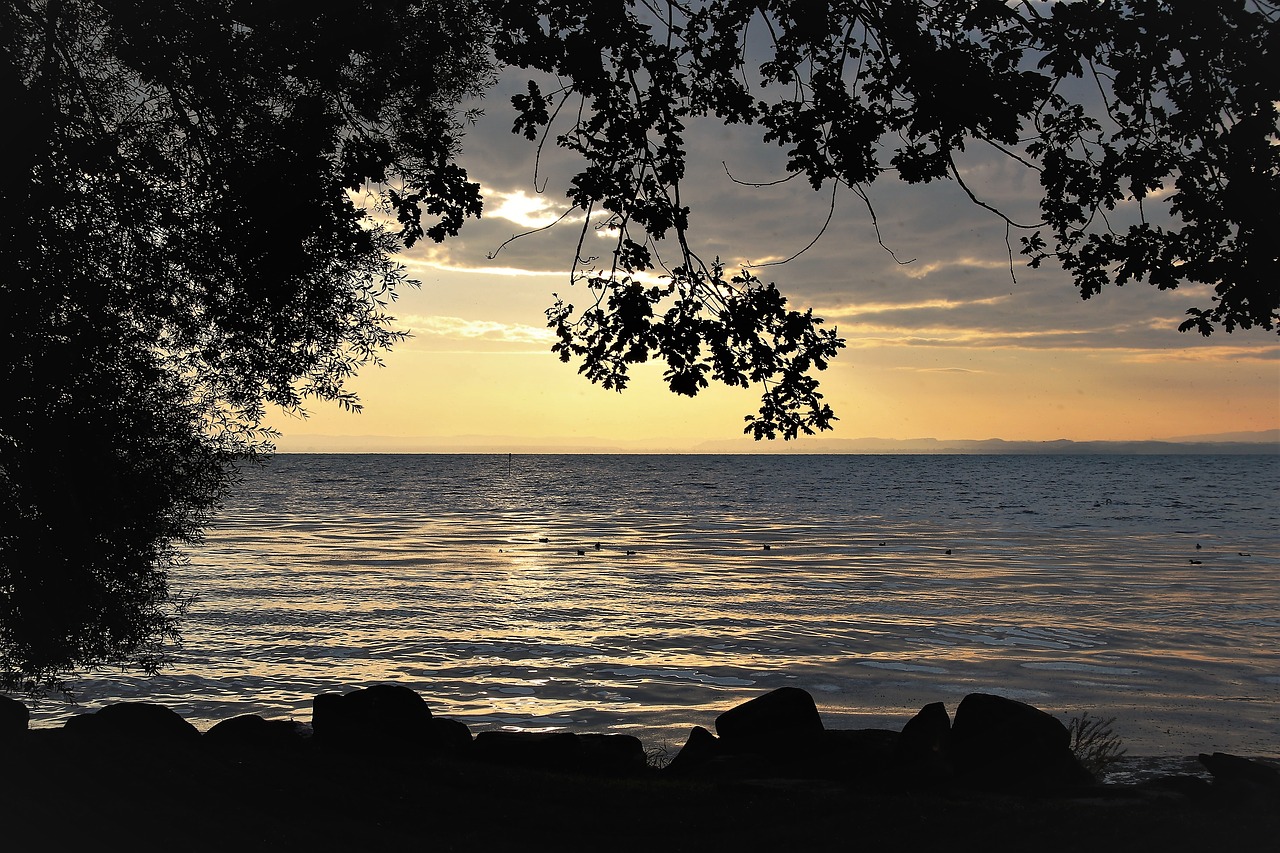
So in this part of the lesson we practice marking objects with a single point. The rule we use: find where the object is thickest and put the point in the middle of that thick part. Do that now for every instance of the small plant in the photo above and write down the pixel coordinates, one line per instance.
(659, 756)
(1094, 743)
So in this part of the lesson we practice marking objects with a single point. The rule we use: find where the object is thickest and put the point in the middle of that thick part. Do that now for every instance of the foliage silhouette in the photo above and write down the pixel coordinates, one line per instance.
(204, 204)
(105, 475)
(201, 214)
(1095, 744)
(1165, 107)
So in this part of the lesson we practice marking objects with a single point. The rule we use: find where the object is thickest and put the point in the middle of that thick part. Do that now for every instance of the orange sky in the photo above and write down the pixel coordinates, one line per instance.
(947, 346)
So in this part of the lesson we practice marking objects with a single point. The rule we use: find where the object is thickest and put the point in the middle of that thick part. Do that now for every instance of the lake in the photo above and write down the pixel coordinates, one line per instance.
(646, 594)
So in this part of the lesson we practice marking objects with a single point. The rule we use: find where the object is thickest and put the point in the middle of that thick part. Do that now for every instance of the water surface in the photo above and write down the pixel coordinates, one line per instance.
(648, 593)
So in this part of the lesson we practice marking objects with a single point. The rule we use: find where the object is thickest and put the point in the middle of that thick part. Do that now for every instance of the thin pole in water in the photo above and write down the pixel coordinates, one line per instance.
(508, 464)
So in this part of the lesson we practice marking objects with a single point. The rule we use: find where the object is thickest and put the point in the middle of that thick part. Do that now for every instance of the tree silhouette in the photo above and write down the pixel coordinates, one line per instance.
(205, 199)
(105, 475)
(200, 218)
(1166, 105)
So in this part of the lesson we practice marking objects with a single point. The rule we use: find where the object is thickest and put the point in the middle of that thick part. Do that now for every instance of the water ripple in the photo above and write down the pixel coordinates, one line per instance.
(648, 593)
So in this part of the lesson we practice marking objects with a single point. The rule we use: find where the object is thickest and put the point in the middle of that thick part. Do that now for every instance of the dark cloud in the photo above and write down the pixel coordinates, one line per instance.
(960, 288)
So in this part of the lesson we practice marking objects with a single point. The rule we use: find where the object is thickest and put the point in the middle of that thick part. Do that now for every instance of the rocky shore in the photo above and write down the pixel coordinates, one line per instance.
(375, 770)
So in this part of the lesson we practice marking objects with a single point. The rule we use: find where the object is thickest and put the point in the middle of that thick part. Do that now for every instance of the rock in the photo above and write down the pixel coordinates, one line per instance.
(1001, 743)
(545, 750)
(330, 720)
(450, 737)
(925, 734)
(384, 715)
(780, 735)
(133, 721)
(920, 755)
(252, 732)
(1232, 769)
(14, 718)
(706, 756)
(565, 751)
(392, 706)
(862, 756)
(778, 722)
(699, 748)
(612, 753)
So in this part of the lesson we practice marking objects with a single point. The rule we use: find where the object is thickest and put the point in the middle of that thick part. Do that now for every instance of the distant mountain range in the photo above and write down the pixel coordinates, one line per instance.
(1265, 441)
(1266, 436)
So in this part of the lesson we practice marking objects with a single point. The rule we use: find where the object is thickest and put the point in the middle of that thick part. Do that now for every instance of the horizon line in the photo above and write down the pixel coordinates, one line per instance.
(1261, 441)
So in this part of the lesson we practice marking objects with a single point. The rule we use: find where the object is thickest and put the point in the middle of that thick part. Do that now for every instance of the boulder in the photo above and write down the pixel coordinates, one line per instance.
(564, 751)
(545, 750)
(252, 732)
(1002, 743)
(133, 721)
(706, 756)
(927, 733)
(385, 716)
(392, 706)
(14, 718)
(612, 753)
(450, 737)
(779, 722)
(860, 756)
(1234, 770)
(781, 735)
(920, 755)
(330, 720)
(700, 747)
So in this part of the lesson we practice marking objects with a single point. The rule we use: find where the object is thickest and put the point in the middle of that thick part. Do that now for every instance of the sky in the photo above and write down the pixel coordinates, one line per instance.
(944, 340)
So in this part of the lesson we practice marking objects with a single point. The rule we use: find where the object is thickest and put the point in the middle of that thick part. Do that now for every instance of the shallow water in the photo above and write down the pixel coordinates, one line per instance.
(878, 583)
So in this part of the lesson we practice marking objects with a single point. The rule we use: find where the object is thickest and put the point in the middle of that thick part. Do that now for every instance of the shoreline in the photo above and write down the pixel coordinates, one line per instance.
(1144, 744)
(192, 800)
(1144, 748)
(1132, 766)
(376, 770)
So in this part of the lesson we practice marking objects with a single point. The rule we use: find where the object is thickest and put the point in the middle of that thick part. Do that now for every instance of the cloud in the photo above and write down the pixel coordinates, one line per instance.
(438, 259)
(853, 311)
(924, 270)
(1225, 353)
(960, 290)
(458, 328)
(525, 210)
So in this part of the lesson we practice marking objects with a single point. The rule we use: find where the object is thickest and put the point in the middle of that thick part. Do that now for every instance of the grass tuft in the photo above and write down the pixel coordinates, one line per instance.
(1095, 744)
(659, 755)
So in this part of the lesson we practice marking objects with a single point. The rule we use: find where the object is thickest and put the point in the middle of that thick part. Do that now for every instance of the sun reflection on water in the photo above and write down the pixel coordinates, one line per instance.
(667, 590)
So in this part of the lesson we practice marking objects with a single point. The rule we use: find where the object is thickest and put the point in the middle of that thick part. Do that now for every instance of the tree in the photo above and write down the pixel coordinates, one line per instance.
(104, 474)
(200, 220)
(1167, 103)
(206, 197)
